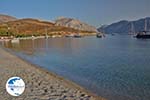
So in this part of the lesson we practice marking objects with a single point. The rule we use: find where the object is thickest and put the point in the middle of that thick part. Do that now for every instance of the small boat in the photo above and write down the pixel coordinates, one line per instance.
(4, 39)
(132, 29)
(46, 37)
(46, 34)
(77, 36)
(143, 35)
(15, 40)
(54, 36)
(99, 35)
(112, 34)
(70, 35)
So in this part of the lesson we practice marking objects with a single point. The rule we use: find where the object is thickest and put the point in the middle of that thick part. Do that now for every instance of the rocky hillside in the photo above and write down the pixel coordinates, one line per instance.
(29, 27)
(74, 23)
(34, 26)
(6, 18)
(127, 27)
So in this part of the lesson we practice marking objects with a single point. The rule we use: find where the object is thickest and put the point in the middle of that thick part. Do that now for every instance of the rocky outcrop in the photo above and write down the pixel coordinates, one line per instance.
(74, 23)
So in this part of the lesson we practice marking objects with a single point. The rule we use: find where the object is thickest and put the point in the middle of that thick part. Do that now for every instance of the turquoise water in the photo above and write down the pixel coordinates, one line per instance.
(115, 67)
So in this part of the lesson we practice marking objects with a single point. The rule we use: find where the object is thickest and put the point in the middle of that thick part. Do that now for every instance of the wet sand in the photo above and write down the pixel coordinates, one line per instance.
(40, 84)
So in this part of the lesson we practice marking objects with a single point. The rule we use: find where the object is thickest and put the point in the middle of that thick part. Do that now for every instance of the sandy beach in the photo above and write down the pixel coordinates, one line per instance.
(40, 84)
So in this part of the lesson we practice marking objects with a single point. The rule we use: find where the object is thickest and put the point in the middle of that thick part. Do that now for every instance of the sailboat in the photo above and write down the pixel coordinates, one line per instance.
(14, 39)
(132, 30)
(144, 34)
(46, 35)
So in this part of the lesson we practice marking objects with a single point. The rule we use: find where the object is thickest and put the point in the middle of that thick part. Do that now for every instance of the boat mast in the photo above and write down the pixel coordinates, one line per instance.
(46, 36)
(132, 31)
(145, 26)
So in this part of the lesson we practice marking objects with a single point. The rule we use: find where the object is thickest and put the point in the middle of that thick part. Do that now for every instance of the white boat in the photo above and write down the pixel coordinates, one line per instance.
(70, 35)
(132, 29)
(15, 40)
(4, 40)
(54, 36)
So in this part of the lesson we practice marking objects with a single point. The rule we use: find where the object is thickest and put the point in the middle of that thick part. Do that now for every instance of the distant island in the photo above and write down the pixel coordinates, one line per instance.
(11, 26)
(126, 27)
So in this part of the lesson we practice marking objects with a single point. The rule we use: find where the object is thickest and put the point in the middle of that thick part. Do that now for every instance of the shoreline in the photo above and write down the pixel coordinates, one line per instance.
(69, 90)
(8, 38)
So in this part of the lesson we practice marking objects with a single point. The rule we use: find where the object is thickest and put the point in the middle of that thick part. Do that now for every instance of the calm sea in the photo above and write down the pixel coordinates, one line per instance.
(115, 67)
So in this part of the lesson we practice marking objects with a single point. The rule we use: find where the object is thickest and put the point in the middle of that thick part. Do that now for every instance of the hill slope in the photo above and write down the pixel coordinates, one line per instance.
(74, 23)
(26, 27)
(30, 27)
(124, 27)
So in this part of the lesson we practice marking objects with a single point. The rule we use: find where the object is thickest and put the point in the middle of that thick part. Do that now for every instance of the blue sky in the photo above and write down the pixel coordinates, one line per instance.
(94, 12)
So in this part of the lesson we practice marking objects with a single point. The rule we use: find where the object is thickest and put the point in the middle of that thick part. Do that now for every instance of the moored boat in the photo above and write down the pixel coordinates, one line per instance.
(77, 36)
(99, 35)
(15, 40)
(144, 34)
(70, 35)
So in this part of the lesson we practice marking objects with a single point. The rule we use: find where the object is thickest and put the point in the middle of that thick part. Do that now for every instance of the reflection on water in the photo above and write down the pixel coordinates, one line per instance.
(116, 67)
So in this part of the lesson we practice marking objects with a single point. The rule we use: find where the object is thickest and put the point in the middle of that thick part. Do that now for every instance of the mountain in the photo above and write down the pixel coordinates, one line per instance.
(74, 23)
(126, 27)
(6, 18)
(29, 27)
